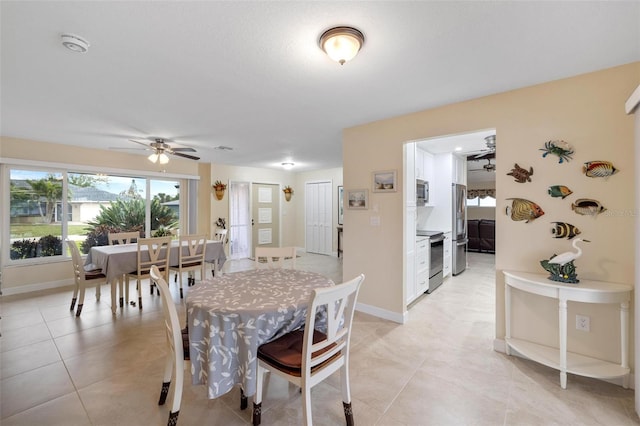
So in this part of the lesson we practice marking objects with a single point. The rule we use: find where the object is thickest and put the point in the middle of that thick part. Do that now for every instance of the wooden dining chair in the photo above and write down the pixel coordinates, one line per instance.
(221, 235)
(174, 364)
(274, 257)
(191, 257)
(117, 238)
(151, 251)
(307, 357)
(123, 237)
(83, 277)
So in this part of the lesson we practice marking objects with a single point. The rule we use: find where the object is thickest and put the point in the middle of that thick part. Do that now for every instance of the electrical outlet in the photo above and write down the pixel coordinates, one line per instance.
(583, 323)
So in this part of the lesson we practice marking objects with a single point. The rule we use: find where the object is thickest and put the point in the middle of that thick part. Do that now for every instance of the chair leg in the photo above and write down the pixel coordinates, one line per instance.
(348, 413)
(164, 392)
(139, 285)
(73, 303)
(306, 406)
(181, 296)
(257, 398)
(173, 419)
(243, 400)
(80, 301)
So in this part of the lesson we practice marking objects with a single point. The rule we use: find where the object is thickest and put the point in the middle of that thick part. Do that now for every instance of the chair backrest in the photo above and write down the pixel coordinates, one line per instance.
(340, 303)
(154, 251)
(123, 237)
(192, 250)
(174, 333)
(274, 257)
(221, 235)
(76, 260)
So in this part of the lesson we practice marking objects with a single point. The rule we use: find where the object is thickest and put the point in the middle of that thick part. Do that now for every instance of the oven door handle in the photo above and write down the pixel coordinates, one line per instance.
(436, 239)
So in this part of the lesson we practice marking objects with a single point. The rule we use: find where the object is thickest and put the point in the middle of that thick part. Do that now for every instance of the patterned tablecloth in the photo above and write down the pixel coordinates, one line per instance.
(231, 315)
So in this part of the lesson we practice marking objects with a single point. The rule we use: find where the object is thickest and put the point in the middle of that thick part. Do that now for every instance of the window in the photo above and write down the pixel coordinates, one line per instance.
(46, 206)
(487, 201)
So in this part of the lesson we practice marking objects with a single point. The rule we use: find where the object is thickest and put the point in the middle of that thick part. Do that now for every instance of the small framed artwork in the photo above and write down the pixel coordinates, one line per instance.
(340, 204)
(385, 181)
(358, 199)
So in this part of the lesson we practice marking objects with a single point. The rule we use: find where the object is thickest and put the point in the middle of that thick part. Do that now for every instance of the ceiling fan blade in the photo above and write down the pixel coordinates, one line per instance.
(145, 144)
(190, 157)
(130, 149)
(183, 150)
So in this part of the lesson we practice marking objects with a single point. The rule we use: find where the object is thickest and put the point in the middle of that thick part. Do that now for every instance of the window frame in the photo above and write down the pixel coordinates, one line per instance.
(186, 198)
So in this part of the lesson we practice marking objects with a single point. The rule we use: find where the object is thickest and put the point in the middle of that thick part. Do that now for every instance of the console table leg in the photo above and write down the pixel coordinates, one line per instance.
(562, 311)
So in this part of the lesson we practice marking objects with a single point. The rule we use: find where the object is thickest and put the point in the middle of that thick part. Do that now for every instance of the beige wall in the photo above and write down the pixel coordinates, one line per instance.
(588, 112)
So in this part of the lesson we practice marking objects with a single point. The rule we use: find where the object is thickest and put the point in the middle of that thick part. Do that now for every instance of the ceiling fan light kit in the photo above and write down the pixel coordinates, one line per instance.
(341, 43)
(75, 43)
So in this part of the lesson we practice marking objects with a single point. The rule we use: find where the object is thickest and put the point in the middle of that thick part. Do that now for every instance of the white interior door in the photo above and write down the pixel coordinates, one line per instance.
(240, 220)
(318, 217)
(265, 215)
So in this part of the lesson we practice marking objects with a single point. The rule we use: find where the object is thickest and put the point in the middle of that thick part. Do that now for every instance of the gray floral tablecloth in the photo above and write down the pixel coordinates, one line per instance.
(231, 315)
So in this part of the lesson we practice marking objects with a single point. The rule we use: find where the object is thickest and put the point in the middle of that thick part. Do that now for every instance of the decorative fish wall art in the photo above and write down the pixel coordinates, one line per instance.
(522, 209)
(599, 168)
(587, 207)
(564, 230)
(520, 174)
(559, 191)
(558, 147)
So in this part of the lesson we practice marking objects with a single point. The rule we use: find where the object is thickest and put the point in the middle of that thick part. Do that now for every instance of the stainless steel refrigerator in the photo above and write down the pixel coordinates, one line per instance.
(459, 229)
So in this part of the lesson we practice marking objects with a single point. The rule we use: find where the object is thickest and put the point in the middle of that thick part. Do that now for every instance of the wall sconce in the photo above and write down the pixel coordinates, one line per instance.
(341, 43)
(219, 189)
(288, 192)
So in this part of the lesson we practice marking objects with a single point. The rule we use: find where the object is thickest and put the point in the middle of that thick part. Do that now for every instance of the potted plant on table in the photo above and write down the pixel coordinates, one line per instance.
(219, 189)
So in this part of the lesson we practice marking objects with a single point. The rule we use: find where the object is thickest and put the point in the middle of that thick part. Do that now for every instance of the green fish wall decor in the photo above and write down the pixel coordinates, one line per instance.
(559, 191)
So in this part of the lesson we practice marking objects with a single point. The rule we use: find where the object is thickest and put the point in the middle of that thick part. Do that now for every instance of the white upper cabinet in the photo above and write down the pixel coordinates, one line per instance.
(410, 174)
(420, 164)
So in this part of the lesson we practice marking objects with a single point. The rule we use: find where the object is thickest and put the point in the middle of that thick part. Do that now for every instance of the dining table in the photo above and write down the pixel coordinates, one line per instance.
(119, 259)
(229, 316)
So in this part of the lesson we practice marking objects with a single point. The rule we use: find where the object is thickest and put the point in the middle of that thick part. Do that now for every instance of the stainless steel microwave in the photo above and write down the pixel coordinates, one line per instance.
(422, 192)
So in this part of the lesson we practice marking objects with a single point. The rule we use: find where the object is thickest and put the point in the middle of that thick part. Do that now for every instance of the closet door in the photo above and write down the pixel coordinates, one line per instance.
(318, 218)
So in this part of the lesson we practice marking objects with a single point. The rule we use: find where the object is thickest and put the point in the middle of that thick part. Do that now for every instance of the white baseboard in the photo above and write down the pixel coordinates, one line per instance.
(382, 313)
(8, 291)
(500, 346)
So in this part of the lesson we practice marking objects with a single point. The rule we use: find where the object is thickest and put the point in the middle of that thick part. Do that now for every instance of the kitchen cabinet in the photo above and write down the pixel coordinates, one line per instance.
(422, 265)
(420, 164)
(410, 174)
(410, 287)
(586, 291)
(446, 263)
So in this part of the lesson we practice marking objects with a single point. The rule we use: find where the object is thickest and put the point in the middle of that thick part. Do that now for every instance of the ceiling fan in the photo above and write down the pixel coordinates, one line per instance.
(160, 148)
(490, 151)
(489, 167)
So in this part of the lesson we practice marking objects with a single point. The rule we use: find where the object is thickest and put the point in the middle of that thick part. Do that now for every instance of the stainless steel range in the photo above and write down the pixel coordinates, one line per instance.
(436, 256)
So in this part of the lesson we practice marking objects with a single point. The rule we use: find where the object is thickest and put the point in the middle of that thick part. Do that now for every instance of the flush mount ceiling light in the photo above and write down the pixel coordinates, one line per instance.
(341, 43)
(75, 43)
(288, 165)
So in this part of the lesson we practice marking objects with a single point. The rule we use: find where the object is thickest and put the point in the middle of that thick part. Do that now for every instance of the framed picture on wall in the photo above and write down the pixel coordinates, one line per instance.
(340, 204)
(385, 181)
(358, 199)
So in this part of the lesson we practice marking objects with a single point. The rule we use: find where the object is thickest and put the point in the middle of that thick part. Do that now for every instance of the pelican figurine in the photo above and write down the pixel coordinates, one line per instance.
(569, 256)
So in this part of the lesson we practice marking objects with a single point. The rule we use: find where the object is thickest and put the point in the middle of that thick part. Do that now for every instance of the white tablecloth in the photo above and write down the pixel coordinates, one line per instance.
(229, 316)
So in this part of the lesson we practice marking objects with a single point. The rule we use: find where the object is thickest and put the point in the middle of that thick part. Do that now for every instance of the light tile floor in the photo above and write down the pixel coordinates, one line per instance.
(438, 369)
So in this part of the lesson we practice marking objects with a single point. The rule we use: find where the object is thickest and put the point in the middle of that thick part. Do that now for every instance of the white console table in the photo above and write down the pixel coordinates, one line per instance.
(585, 291)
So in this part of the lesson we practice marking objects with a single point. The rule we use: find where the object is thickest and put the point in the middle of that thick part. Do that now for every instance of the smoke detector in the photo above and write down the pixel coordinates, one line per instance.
(75, 43)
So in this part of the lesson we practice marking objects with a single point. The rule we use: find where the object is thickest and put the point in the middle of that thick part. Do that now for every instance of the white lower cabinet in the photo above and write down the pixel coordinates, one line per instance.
(446, 265)
(422, 265)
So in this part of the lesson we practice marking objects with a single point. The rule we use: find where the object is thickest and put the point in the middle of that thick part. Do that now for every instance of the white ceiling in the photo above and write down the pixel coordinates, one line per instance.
(250, 75)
